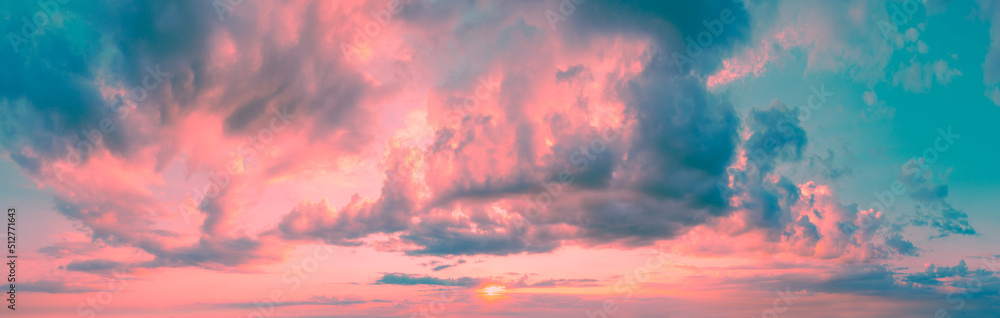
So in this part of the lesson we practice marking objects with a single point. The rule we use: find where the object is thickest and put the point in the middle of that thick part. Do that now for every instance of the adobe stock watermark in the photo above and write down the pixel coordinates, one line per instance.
(436, 307)
(968, 289)
(293, 277)
(780, 304)
(566, 8)
(364, 35)
(899, 17)
(219, 180)
(628, 284)
(582, 159)
(224, 8)
(697, 45)
(815, 101)
(96, 304)
(488, 86)
(94, 138)
(914, 168)
(31, 28)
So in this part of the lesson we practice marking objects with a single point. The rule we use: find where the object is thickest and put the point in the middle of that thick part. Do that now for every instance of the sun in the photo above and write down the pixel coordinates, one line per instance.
(493, 292)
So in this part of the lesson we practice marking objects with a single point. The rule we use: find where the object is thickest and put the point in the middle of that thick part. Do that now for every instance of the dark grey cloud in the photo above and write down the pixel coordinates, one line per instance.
(669, 23)
(55, 77)
(570, 73)
(932, 273)
(94, 265)
(933, 209)
(920, 183)
(53, 287)
(860, 280)
(684, 144)
(776, 135)
(408, 279)
(943, 218)
(439, 236)
(972, 292)
(896, 242)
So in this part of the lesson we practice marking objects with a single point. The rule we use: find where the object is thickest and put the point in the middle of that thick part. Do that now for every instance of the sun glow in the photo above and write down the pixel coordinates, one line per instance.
(493, 292)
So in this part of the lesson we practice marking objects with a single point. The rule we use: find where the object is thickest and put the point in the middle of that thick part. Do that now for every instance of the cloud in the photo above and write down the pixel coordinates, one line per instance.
(408, 279)
(976, 288)
(196, 115)
(876, 110)
(934, 209)
(53, 287)
(518, 138)
(579, 282)
(989, 11)
(775, 136)
(870, 98)
(944, 218)
(94, 265)
(360, 217)
(918, 78)
(902, 247)
(570, 73)
(218, 145)
(670, 24)
(833, 38)
(312, 301)
(826, 166)
(932, 273)
(648, 150)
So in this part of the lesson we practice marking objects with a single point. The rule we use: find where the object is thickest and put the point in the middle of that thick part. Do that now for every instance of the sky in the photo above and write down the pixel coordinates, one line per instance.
(468, 158)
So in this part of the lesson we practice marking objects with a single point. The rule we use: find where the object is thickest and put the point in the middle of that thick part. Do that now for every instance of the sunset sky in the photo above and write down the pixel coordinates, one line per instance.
(470, 158)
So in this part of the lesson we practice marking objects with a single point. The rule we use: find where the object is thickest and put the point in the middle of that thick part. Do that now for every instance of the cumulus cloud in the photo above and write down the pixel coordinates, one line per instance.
(919, 78)
(976, 288)
(638, 161)
(629, 165)
(175, 93)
